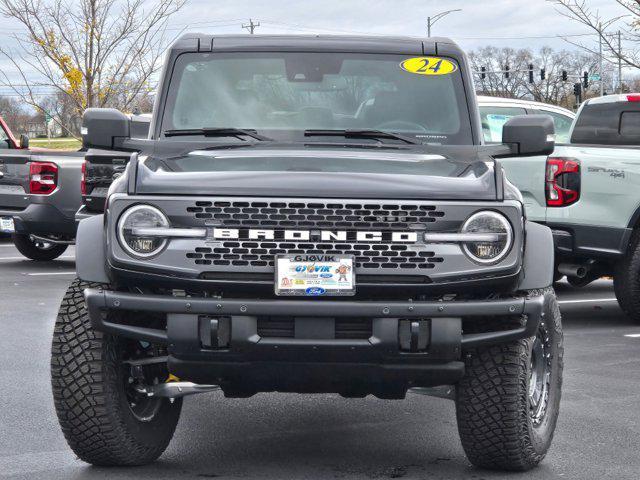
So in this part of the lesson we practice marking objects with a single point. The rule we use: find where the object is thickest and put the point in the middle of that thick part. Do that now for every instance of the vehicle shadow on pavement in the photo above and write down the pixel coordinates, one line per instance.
(281, 436)
(30, 266)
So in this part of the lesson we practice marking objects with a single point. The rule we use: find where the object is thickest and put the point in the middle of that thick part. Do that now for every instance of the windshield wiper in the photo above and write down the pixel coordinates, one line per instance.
(217, 132)
(374, 134)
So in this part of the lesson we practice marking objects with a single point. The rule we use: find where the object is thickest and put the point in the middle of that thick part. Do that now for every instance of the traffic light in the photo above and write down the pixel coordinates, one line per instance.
(506, 71)
(483, 73)
(543, 74)
(564, 75)
(585, 80)
(577, 89)
(531, 73)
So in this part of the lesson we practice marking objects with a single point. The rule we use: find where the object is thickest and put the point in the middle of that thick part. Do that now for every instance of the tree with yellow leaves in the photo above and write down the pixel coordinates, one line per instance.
(98, 53)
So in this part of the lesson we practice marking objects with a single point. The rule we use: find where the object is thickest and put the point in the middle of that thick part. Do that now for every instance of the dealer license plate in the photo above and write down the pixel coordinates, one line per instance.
(6, 225)
(314, 275)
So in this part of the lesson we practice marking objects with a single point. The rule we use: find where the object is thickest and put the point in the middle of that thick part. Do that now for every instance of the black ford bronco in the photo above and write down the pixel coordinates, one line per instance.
(311, 215)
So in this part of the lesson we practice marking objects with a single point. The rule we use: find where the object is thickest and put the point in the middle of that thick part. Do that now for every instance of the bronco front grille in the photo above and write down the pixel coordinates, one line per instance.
(314, 214)
(310, 215)
(261, 254)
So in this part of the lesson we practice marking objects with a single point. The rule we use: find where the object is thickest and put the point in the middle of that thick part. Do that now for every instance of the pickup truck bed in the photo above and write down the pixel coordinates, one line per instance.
(588, 191)
(50, 214)
(599, 225)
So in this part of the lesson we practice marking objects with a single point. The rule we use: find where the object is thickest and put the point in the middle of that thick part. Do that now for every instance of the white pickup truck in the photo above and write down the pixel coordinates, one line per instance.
(591, 192)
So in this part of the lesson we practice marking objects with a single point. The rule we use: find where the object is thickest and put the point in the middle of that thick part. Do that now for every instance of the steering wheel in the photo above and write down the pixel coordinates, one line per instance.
(400, 125)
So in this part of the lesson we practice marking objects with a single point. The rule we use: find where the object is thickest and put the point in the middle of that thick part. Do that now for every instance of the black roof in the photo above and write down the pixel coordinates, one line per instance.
(337, 43)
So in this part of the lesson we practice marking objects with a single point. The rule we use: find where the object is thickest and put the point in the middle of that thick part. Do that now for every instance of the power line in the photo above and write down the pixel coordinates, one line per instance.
(533, 37)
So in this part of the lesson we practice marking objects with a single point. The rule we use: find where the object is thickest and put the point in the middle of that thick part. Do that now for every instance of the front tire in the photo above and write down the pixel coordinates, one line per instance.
(101, 420)
(507, 403)
(35, 250)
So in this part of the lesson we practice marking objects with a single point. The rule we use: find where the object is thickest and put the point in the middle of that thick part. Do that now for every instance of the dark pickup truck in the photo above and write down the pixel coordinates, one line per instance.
(102, 167)
(311, 215)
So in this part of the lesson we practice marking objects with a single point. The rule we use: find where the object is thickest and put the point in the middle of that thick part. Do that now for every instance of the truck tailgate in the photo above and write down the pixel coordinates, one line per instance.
(102, 167)
(14, 182)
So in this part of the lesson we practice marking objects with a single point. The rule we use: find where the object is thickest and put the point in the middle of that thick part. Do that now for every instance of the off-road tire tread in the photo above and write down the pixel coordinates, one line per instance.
(626, 279)
(26, 247)
(89, 411)
(492, 402)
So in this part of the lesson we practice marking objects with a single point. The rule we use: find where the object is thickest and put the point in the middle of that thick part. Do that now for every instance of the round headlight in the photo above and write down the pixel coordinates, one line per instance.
(140, 217)
(490, 223)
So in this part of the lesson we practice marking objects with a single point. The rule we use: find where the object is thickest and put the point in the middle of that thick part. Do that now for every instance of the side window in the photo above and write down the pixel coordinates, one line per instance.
(630, 124)
(563, 125)
(4, 139)
(494, 118)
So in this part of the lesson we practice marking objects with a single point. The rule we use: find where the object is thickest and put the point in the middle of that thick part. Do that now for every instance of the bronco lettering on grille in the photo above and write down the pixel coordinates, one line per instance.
(307, 235)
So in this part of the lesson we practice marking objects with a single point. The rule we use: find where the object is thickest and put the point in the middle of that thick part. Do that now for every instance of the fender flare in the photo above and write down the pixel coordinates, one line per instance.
(90, 250)
(538, 258)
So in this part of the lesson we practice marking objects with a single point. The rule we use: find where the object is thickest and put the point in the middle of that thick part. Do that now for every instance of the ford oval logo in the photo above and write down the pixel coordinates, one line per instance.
(315, 291)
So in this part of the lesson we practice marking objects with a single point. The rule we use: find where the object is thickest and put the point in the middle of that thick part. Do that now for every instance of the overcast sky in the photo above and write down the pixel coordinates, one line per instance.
(481, 22)
(487, 19)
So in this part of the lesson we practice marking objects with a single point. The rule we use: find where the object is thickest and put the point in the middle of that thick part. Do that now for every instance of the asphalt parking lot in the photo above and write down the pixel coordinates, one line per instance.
(276, 436)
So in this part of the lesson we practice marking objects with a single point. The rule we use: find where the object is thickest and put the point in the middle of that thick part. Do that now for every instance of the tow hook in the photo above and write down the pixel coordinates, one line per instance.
(175, 389)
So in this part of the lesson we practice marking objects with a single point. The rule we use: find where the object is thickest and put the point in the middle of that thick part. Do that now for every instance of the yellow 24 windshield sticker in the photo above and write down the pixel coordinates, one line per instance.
(429, 66)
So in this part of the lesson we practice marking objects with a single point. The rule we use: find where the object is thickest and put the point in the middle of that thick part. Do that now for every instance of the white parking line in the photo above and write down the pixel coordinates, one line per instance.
(43, 274)
(633, 335)
(587, 300)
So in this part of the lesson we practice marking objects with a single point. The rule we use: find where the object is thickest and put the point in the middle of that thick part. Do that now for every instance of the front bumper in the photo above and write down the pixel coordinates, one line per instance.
(313, 359)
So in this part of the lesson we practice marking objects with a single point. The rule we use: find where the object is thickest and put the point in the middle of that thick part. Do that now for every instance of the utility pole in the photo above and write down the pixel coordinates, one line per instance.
(601, 72)
(250, 27)
(432, 20)
(619, 62)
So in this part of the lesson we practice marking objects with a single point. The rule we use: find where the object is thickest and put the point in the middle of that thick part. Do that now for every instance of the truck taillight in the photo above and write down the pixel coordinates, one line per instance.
(83, 179)
(562, 181)
(43, 177)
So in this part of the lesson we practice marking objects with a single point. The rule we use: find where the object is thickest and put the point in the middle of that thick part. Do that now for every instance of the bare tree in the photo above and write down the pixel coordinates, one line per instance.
(581, 12)
(14, 113)
(552, 89)
(495, 60)
(97, 53)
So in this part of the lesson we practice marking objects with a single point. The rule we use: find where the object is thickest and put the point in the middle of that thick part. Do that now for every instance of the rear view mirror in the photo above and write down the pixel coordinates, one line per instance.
(24, 141)
(530, 135)
(104, 128)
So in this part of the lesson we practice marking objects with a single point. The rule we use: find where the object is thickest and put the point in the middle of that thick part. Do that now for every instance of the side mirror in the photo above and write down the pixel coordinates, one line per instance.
(104, 128)
(24, 141)
(139, 125)
(530, 135)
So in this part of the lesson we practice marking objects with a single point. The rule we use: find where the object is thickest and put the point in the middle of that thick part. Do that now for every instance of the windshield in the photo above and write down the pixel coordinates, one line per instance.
(282, 95)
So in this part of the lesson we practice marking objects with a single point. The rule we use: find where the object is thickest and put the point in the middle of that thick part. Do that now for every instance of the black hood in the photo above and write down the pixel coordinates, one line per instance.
(448, 173)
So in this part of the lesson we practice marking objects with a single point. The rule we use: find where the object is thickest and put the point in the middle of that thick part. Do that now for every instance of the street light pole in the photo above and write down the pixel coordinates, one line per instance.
(432, 20)
(601, 72)
(619, 61)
